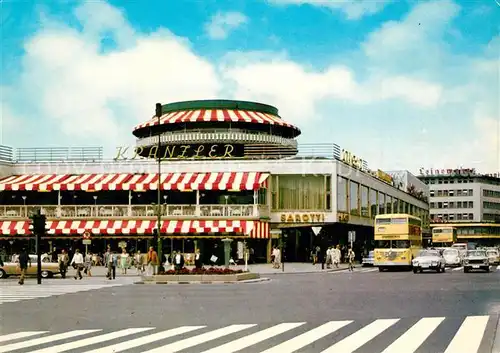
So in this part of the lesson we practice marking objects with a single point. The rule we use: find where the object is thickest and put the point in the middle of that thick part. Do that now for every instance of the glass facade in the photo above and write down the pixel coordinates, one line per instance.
(342, 184)
(373, 203)
(365, 206)
(299, 192)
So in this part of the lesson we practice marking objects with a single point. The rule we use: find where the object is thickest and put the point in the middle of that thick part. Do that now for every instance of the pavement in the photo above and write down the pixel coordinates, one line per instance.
(364, 311)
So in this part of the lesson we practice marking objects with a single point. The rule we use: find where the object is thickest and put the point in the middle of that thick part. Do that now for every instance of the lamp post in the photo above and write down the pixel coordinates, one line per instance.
(24, 202)
(159, 113)
(226, 211)
(95, 204)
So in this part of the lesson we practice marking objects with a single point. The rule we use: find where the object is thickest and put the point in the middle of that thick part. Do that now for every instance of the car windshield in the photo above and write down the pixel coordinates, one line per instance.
(476, 253)
(450, 252)
(429, 253)
(492, 252)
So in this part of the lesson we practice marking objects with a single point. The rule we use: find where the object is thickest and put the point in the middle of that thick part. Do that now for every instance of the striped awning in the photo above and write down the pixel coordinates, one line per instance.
(216, 115)
(136, 182)
(252, 229)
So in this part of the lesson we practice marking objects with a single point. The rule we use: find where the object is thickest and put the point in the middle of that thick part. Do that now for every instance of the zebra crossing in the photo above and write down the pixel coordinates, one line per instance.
(11, 293)
(375, 269)
(408, 335)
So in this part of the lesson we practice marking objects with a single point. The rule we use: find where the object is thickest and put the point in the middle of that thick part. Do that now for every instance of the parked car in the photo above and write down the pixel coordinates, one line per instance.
(493, 256)
(368, 261)
(476, 260)
(49, 269)
(429, 260)
(452, 257)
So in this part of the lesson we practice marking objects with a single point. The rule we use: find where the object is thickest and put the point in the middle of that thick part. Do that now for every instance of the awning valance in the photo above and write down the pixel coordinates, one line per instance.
(252, 229)
(235, 181)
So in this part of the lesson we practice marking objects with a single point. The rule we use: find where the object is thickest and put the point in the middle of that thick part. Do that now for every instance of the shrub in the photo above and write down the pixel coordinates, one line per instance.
(202, 271)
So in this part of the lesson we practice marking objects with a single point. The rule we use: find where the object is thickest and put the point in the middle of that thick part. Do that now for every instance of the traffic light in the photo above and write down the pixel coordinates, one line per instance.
(38, 223)
(159, 112)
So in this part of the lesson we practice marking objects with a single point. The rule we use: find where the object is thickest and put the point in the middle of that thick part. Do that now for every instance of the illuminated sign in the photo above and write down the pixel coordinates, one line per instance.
(206, 151)
(302, 217)
(352, 160)
(386, 178)
(455, 172)
(343, 217)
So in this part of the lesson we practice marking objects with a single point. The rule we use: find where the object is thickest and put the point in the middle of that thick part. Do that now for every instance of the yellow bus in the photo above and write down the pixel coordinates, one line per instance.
(398, 239)
(444, 236)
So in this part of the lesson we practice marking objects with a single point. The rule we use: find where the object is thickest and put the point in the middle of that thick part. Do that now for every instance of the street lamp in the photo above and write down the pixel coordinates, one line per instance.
(226, 211)
(24, 201)
(95, 204)
(159, 113)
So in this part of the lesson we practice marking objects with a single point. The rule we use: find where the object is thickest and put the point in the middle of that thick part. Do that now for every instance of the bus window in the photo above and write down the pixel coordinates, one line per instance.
(399, 220)
(382, 244)
(384, 221)
(400, 244)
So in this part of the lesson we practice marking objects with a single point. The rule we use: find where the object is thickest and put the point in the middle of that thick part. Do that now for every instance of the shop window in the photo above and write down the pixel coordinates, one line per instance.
(365, 206)
(373, 203)
(354, 197)
(381, 203)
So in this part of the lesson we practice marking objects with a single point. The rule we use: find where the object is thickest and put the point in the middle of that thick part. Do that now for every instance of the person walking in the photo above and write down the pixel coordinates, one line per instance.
(336, 255)
(153, 261)
(351, 256)
(88, 264)
(197, 259)
(24, 261)
(78, 263)
(63, 263)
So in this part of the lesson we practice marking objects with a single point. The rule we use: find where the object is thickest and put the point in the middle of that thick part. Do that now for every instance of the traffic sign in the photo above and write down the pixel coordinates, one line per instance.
(86, 235)
(87, 241)
(351, 236)
(316, 230)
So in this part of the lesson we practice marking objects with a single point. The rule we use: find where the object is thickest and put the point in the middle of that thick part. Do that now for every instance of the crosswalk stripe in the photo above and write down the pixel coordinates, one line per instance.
(309, 337)
(141, 341)
(44, 340)
(469, 335)
(18, 335)
(361, 337)
(255, 338)
(415, 336)
(92, 340)
(196, 340)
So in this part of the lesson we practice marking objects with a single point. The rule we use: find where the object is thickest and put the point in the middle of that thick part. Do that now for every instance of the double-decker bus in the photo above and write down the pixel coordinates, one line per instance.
(398, 239)
(444, 236)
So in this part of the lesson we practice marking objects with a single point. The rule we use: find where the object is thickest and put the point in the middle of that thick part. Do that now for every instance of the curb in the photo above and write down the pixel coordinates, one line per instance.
(257, 280)
(496, 339)
(306, 272)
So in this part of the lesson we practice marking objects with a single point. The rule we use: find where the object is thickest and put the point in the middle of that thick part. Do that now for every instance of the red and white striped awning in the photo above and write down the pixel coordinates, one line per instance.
(235, 181)
(252, 229)
(216, 115)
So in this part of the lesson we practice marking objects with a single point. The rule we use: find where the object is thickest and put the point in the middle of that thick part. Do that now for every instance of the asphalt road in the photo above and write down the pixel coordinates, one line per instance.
(451, 310)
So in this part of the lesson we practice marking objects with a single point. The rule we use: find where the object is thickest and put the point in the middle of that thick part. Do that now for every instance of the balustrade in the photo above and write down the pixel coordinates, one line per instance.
(136, 211)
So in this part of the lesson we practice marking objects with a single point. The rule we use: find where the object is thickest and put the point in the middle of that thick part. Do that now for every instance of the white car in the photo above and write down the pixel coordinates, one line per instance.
(476, 260)
(493, 256)
(452, 257)
(429, 260)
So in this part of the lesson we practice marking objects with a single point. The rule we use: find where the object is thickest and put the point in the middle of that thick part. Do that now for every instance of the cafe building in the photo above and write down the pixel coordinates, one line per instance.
(212, 170)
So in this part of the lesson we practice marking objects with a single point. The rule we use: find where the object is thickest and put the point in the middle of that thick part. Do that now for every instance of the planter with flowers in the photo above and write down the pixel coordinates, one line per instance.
(207, 275)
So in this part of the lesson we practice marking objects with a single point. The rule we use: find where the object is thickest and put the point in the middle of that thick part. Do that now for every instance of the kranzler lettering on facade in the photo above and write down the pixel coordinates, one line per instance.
(176, 152)
(302, 217)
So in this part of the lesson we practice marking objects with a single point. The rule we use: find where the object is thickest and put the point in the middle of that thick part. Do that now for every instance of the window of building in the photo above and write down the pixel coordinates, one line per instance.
(302, 192)
(445, 192)
(440, 205)
(373, 203)
(431, 193)
(388, 207)
(365, 205)
(464, 192)
(445, 204)
(459, 193)
(395, 205)
(432, 205)
(459, 204)
(452, 216)
(471, 216)
(328, 201)
(471, 192)
(459, 216)
(354, 197)
(471, 204)
(452, 192)
(465, 216)
(440, 192)
(381, 203)
(342, 184)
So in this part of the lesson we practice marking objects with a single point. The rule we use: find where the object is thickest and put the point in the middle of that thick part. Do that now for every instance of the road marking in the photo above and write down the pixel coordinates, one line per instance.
(203, 338)
(308, 337)
(92, 340)
(255, 338)
(18, 335)
(458, 268)
(44, 340)
(141, 341)
(361, 337)
(469, 335)
(415, 336)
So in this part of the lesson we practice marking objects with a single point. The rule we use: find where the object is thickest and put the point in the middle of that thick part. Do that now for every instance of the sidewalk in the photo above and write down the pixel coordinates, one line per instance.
(263, 269)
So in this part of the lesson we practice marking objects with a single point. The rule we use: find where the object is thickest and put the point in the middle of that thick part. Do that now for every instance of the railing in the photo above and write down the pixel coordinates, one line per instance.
(136, 211)
(57, 154)
(6, 154)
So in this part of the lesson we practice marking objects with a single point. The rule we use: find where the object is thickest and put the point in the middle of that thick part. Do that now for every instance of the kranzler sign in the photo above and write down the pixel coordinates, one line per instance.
(191, 151)
(302, 217)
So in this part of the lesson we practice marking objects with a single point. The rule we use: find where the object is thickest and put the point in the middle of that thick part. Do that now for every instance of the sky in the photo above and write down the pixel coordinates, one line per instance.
(401, 84)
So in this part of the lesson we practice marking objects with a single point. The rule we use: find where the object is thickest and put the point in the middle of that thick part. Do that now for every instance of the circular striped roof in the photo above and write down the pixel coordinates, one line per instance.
(217, 111)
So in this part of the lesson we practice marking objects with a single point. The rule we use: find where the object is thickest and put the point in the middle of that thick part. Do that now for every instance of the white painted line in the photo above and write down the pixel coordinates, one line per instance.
(469, 336)
(415, 336)
(361, 337)
(44, 340)
(91, 340)
(255, 338)
(18, 335)
(458, 268)
(196, 340)
(141, 341)
(308, 337)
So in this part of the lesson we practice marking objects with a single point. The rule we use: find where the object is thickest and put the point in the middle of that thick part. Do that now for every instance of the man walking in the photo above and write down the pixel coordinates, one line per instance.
(77, 262)
(24, 260)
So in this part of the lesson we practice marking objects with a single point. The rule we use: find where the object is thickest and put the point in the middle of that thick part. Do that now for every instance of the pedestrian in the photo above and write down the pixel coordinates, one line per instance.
(24, 261)
(351, 256)
(78, 263)
(110, 262)
(336, 255)
(153, 261)
(139, 263)
(197, 259)
(63, 263)
(178, 261)
(88, 264)
(124, 260)
(329, 257)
